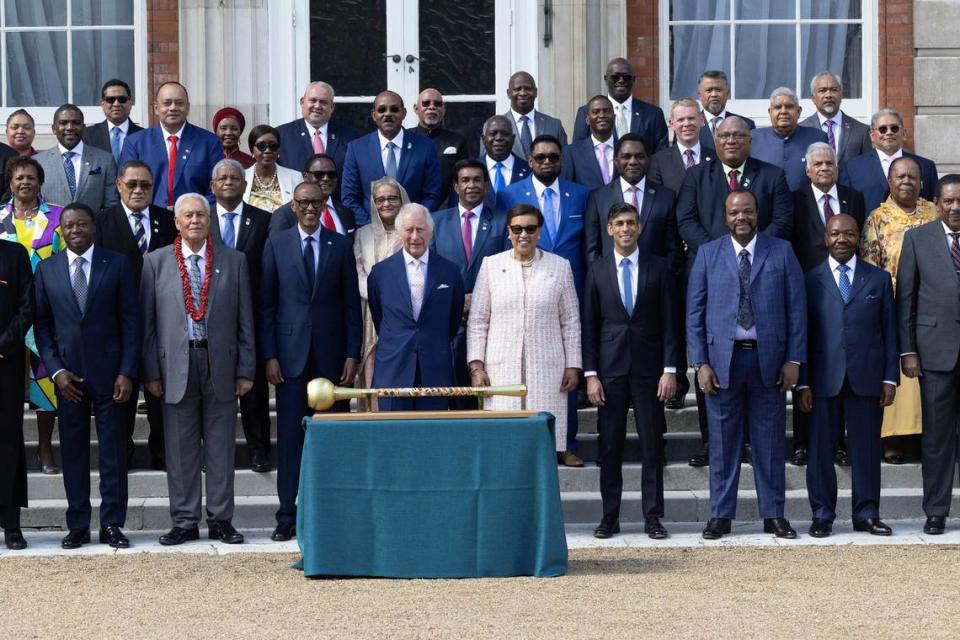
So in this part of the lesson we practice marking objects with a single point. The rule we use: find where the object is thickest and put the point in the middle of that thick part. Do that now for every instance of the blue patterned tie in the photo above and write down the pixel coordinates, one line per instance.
(70, 173)
(745, 309)
(627, 286)
(229, 235)
(196, 288)
(844, 281)
(549, 214)
(525, 140)
(391, 167)
(115, 144)
(499, 184)
(139, 233)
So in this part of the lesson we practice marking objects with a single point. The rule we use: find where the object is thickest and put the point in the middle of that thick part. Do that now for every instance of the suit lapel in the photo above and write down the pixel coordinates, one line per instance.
(761, 251)
(215, 226)
(732, 260)
(859, 278)
(485, 222)
(645, 206)
(84, 170)
(184, 148)
(326, 246)
(405, 159)
(677, 158)
(611, 264)
(97, 266)
(939, 240)
(814, 210)
(218, 263)
(243, 234)
(64, 268)
(155, 232)
(403, 283)
(825, 276)
(431, 282)
(295, 252)
(749, 173)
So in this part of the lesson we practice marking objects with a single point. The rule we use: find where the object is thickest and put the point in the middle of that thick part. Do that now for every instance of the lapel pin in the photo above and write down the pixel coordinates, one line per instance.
(303, 133)
(216, 270)
(329, 242)
(333, 136)
(566, 194)
(409, 145)
(650, 191)
(247, 222)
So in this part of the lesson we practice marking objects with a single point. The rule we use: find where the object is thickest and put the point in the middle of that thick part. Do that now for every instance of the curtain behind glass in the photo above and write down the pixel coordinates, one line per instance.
(696, 48)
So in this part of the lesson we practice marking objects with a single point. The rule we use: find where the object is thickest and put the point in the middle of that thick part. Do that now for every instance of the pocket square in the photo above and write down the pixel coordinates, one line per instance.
(96, 171)
(4, 283)
(443, 286)
(449, 151)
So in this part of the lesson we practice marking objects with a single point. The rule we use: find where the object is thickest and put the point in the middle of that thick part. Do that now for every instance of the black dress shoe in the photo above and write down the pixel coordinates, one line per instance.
(224, 532)
(779, 527)
(893, 458)
(746, 455)
(283, 532)
(799, 457)
(261, 463)
(820, 528)
(75, 539)
(675, 403)
(654, 529)
(179, 535)
(935, 525)
(715, 528)
(701, 459)
(606, 528)
(13, 539)
(113, 536)
(873, 526)
(841, 459)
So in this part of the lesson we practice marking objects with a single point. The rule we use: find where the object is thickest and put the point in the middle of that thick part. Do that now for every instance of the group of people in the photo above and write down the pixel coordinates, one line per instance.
(763, 258)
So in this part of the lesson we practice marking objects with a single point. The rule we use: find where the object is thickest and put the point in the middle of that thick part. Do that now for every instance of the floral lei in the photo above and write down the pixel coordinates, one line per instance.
(196, 314)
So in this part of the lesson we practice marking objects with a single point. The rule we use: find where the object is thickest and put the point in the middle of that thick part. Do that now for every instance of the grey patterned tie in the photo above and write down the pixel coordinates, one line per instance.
(196, 288)
(80, 283)
(745, 309)
(70, 173)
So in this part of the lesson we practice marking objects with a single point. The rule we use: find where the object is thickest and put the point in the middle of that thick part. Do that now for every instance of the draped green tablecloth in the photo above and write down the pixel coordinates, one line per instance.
(430, 498)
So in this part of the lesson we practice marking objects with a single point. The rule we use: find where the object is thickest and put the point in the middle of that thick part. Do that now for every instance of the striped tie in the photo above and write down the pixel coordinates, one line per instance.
(955, 250)
(139, 233)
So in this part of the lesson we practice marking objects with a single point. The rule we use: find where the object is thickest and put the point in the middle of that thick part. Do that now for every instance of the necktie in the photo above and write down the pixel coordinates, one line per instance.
(549, 214)
(309, 261)
(499, 183)
(955, 250)
(602, 161)
(391, 167)
(690, 162)
(115, 144)
(139, 233)
(171, 169)
(317, 142)
(70, 173)
(633, 198)
(416, 289)
(229, 235)
(80, 283)
(714, 123)
(622, 127)
(733, 179)
(745, 308)
(327, 220)
(196, 289)
(827, 209)
(466, 234)
(844, 281)
(831, 139)
(525, 138)
(627, 286)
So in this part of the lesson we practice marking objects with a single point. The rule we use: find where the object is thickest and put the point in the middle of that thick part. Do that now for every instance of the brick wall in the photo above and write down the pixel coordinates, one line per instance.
(163, 38)
(642, 47)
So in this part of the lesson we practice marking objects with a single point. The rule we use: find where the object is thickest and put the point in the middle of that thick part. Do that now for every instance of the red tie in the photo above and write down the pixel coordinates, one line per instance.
(171, 169)
(733, 179)
(633, 198)
(327, 220)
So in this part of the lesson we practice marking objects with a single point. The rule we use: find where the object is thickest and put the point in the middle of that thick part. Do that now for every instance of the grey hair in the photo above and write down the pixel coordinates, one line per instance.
(227, 162)
(190, 196)
(322, 85)
(785, 91)
(818, 148)
(410, 208)
(486, 124)
(887, 111)
(813, 82)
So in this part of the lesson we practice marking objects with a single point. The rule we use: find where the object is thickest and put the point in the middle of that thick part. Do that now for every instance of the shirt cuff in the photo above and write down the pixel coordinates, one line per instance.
(890, 382)
(908, 353)
(672, 370)
(589, 374)
(52, 378)
(801, 386)
(794, 362)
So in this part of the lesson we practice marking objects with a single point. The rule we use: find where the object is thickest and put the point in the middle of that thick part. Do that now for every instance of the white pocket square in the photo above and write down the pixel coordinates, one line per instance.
(449, 151)
(443, 286)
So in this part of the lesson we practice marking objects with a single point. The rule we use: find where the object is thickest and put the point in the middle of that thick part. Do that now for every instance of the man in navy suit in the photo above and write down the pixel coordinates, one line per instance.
(868, 172)
(390, 151)
(589, 161)
(850, 376)
(631, 115)
(746, 338)
(310, 326)
(110, 134)
(416, 301)
(563, 205)
(320, 170)
(785, 142)
(669, 166)
(629, 358)
(714, 92)
(848, 136)
(180, 155)
(503, 166)
(526, 122)
(88, 335)
(315, 132)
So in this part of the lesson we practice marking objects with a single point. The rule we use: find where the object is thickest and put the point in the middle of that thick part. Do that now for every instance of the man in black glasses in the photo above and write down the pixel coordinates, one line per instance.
(451, 147)
(109, 135)
(868, 172)
(321, 170)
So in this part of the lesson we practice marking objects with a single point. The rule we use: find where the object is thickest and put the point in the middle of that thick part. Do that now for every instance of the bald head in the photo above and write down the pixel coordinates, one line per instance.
(619, 78)
(522, 92)
(430, 109)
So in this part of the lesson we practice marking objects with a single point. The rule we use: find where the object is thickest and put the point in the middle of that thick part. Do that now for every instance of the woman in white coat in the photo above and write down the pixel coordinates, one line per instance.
(524, 324)
(269, 186)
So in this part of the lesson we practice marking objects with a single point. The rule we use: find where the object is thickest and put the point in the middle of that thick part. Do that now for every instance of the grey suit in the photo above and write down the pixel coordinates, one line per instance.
(928, 314)
(543, 125)
(96, 180)
(854, 136)
(199, 385)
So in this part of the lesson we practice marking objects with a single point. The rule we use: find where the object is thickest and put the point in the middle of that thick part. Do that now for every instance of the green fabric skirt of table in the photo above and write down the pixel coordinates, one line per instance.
(430, 498)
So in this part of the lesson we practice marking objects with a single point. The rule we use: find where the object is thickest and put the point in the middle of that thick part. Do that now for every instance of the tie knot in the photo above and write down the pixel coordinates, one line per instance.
(308, 240)
(524, 119)
(632, 189)
(828, 124)
(499, 165)
(734, 173)
(173, 139)
(195, 258)
(602, 146)
(625, 262)
(115, 132)
(391, 145)
(842, 268)
(744, 254)
(69, 155)
(955, 235)
(137, 216)
(230, 215)
(467, 215)
(80, 261)
(688, 153)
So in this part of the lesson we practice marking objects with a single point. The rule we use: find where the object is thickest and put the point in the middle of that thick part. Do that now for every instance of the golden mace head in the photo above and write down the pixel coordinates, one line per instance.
(322, 394)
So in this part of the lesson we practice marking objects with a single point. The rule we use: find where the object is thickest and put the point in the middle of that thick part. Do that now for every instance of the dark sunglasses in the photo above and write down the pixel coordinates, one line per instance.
(114, 99)
(384, 109)
(320, 175)
(620, 77)
(432, 103)
(134, 184)
(892, 128)
(267, 146)
(309, 204)
(543, 157)
(517, 229)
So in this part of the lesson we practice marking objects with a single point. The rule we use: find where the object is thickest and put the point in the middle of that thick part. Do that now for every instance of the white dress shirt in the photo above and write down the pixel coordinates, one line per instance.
(607, 153)
(834, 200)
(709, 117)
(202, 265)
(531, 122)
(628, 196)
(886, 161)
(417, 280)
(166, 138)
(506, 171)
(740, 333)
(539, 188)
(837, 126)
(147, 227)
(77, 156)
(477, 210)
(683, 152)
(397, 152)
(222, 219)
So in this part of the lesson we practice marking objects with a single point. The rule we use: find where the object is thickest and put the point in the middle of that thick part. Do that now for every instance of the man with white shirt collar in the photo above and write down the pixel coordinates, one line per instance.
(504, 167)
(316, 131)
(528, 123)
(848, 136)
(714, 92)
(110, 134)
(669, 166)
(589, 161)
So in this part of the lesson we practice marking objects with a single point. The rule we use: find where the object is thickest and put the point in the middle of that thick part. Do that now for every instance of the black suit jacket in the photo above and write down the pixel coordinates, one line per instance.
(98, 135)
(284, 218)
(667, 166)
(854, 136)
(114, 233)
(700, 204)
(580, 164)
(296, 144)
(647, 120)
(639, 345)
(659, 236)
(252, 236)
(808, 228)
(444, 139)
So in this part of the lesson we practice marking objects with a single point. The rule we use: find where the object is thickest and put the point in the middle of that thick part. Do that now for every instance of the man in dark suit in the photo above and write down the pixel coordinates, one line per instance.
(669, 166)
(784, 143)
(180, 155)
(243, 227)
(868, 172)
(589, 161)
(714, 92)
(390, 151)
(631, 115)
(134, 227)
(416, 300)
(850, 376)
(503, 166)
(848, 136)
(526, 122)
(451, 147)
(315, 132)
(110, 134)
(629, 359)
(88, 334)
(928, 315)
(747, 348)
(310, 326)
(321, 171)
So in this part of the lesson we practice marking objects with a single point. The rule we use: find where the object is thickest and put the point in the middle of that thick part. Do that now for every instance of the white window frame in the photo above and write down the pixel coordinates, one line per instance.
(861, 108)
(43, 116)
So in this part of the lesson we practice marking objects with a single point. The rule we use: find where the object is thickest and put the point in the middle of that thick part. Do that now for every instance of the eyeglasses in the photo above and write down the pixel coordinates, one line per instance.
(544, 157)
(517, 229)
(267, 146)
(620, 77)
(385, 199)
(738, 137)
(309, 204)
(892, 128)
(115, 99)
(320, 175)
(146, 185)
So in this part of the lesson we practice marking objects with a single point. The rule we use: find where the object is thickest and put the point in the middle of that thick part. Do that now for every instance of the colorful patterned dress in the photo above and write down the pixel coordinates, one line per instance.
(41, 238)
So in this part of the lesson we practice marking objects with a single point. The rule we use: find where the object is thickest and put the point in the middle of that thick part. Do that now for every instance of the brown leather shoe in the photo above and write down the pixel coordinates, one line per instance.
(569, 459)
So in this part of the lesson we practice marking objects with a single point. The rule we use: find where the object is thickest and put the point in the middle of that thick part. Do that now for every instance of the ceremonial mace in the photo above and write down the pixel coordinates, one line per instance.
(321, 393)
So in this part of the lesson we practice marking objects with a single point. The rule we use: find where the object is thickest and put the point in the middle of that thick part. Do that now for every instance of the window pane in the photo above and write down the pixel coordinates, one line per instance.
(35, 13)
(457, 48)
(833, 47)
(694, 49)
(699, 10)
(348, 40)
(102, 12)
(467, 118)
(766, 59)
(835, 9)
(99, 56)
(37, 69)
(356, 114)
(767, 9)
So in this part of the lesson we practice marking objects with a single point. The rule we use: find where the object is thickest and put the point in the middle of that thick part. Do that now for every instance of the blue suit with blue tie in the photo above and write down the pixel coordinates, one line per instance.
(865, 173)
(519, 171)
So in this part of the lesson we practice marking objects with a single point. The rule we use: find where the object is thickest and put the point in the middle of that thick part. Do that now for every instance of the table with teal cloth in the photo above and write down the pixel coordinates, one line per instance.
(430, 498)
